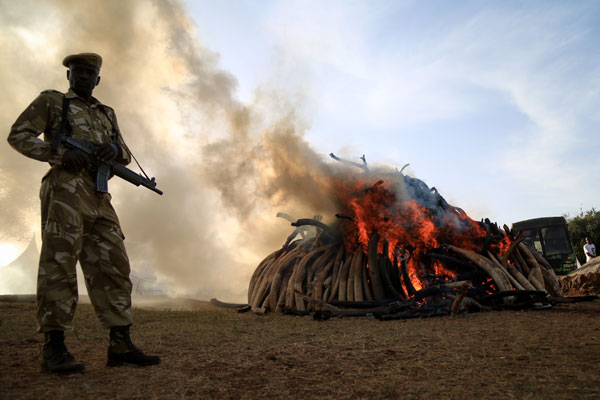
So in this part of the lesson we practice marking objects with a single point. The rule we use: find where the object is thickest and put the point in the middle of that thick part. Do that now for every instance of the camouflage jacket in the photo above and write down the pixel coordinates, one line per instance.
(86, 121)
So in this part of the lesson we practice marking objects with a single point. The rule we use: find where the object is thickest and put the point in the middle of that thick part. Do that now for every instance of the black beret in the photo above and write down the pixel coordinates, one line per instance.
(91, 59)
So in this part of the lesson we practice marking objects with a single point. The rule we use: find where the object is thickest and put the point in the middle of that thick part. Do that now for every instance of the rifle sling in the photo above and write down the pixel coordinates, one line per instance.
(118, 135)
(64, 125)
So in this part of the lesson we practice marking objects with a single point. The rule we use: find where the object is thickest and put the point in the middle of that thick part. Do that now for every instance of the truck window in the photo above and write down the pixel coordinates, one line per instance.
(555, 240)
(533, 239)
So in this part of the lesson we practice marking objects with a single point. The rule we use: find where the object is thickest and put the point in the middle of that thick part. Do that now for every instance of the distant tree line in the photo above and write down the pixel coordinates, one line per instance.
(586, 223)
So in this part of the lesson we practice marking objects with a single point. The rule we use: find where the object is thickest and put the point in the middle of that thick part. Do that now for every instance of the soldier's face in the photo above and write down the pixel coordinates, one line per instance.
(83, 79)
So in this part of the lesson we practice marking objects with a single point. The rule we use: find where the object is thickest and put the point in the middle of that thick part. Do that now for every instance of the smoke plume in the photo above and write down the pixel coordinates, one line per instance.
(226, 168)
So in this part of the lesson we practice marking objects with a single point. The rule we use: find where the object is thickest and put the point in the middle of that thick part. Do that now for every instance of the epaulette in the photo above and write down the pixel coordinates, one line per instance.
(107, 108)
(51, 91)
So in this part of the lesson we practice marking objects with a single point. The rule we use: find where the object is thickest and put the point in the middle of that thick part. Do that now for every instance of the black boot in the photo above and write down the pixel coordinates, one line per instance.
(56, 358)
(122, 351)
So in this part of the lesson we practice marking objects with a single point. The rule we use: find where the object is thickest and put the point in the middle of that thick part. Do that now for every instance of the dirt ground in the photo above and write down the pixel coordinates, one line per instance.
(209, 352)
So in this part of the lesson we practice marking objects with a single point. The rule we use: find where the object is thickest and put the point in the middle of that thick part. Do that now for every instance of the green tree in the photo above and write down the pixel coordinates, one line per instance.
(586, 223)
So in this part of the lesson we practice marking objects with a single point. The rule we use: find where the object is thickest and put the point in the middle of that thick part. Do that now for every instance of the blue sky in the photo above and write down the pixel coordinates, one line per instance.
(493, 102)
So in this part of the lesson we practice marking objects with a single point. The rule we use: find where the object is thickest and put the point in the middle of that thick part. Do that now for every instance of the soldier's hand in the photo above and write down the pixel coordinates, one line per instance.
(107, 151)
(73, 160)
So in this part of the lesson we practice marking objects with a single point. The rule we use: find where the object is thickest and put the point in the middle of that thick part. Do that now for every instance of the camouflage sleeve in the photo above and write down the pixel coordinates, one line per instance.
(38, 118)
(125, 157)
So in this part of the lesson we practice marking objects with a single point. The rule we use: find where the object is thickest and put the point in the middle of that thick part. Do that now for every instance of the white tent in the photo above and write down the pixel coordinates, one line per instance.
(20, 276)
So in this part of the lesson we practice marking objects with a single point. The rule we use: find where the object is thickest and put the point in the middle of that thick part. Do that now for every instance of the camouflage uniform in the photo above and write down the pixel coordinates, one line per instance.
(78, 223)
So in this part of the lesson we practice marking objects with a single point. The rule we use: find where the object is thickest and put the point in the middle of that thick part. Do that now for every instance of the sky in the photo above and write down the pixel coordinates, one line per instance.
(235, 105)
(492, 102)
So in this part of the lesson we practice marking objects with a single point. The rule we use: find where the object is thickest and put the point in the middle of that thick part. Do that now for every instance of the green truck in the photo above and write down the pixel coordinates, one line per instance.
(550, 237)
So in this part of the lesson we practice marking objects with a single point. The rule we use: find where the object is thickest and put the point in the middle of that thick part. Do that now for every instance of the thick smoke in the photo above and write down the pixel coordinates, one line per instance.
(226, 168)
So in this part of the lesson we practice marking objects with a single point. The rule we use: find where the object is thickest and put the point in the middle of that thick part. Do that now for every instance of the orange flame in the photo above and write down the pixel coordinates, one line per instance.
(408, 225)
(405, 224)
(440, 270)
(413, 274)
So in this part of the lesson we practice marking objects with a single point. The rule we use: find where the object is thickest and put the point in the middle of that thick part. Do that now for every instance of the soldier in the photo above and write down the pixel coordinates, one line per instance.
(78, 223)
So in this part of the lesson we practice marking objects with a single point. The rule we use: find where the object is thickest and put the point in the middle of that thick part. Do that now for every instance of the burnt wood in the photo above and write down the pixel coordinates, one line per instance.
(374, 272)
(532, 295)
(452, 263)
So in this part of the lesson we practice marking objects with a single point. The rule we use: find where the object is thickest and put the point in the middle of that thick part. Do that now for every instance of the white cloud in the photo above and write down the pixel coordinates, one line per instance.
(541, 60)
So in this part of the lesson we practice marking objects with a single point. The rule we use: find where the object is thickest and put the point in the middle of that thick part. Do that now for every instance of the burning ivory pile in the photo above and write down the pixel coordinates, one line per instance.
(398, 250)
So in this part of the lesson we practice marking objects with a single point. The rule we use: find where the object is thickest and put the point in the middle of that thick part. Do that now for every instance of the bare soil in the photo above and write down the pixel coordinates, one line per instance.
(209, 352)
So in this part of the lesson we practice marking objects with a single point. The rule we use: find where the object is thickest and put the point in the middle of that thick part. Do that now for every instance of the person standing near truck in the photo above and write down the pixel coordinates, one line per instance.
(589, 249)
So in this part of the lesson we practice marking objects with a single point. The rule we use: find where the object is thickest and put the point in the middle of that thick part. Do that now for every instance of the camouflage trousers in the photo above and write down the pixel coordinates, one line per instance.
(80, 224)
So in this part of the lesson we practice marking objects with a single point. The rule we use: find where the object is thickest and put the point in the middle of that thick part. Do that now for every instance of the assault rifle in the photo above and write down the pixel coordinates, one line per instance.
(105, 170)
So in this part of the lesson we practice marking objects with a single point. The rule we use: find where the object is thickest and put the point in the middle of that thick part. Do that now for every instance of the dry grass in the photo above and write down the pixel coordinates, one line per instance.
(217, 353)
